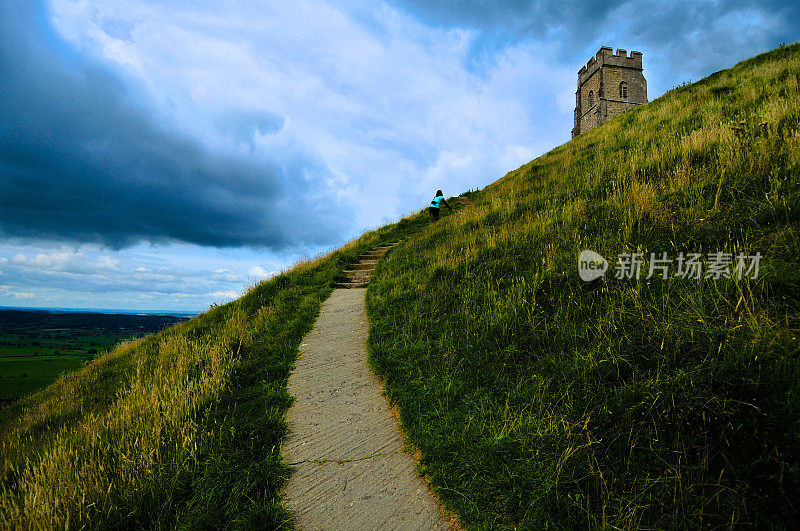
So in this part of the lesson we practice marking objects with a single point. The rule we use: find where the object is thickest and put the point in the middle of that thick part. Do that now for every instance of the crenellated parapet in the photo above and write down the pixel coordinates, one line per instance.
(605, 56)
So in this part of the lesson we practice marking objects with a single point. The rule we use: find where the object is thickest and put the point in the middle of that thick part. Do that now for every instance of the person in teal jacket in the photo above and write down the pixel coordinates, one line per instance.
(434, 208)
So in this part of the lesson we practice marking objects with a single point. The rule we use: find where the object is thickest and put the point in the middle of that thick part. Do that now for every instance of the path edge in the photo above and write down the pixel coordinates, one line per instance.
(449, 517)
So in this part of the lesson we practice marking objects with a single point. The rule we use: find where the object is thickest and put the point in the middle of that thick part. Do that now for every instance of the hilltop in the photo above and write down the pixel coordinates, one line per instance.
(533, 397)
(537, 398)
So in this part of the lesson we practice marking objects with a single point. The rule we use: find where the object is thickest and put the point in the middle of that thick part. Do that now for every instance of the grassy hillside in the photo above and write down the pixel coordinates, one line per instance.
(181, 429)
(536, 399)
(539, 399)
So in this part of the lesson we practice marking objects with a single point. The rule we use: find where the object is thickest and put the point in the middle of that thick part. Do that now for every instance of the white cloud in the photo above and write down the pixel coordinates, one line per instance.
(259, 272)
(224, 295)
(106, 262)
(23, 295)
(566, 100)
(157, 277)
(19, 259)
(143, 277)
(62, 260)
(394, 108)
(226, 275)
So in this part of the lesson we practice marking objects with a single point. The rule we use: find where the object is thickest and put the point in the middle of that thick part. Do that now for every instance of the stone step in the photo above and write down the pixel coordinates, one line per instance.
(360, 273)
(381, 249)
(364, 264)
(357, 280)
(342, 285)
(360, 270)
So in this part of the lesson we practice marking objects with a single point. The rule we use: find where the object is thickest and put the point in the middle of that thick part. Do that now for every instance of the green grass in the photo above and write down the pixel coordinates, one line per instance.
(36, 346)
(33, 356)
(181, 429)
(536, 400)
(21, 375)
(539, 400)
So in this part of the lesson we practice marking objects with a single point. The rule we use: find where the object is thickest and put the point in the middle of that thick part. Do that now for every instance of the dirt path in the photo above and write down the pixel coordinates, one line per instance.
(350, 468)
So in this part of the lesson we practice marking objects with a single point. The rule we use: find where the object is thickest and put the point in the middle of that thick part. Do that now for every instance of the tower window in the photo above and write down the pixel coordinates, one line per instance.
(623, 90)
(591, 98)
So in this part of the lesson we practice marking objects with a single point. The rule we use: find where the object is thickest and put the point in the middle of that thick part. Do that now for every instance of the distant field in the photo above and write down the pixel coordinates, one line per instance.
(37, 346)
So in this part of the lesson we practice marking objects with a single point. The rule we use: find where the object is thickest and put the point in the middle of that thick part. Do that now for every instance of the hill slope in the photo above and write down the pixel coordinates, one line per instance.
(535, 398)
(181, 429)
(538, 398)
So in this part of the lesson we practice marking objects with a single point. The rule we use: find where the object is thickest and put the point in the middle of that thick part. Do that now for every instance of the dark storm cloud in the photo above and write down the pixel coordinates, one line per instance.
(697, 36)
(660, 21)
(709, 35)
(514, 17)
(79, 161)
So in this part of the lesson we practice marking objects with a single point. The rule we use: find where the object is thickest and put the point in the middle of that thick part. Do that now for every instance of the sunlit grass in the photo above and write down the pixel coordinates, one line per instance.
(537, 399)
(180, 429)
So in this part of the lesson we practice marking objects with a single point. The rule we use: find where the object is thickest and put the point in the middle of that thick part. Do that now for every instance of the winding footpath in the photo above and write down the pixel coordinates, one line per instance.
(350, 468)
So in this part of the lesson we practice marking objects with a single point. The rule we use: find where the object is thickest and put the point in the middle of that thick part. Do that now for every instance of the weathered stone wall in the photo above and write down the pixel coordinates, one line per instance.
(602, 76)
(613, 77)
(590, 85)
(589, 116)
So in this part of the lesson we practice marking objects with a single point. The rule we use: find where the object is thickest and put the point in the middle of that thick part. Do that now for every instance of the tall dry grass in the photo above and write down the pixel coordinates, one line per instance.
(180, 429)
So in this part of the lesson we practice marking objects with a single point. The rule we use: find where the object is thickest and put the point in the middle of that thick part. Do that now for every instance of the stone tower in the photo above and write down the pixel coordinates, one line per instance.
(608, 85)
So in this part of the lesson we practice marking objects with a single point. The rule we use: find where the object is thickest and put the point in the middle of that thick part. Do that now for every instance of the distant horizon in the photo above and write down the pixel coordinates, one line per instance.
(106, 311)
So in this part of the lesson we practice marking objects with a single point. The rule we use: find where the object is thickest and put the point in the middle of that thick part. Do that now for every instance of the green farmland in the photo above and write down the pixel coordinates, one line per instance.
(38, 346)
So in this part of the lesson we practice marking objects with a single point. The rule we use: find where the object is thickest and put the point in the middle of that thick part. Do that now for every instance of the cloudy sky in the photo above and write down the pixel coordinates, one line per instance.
(164, 154)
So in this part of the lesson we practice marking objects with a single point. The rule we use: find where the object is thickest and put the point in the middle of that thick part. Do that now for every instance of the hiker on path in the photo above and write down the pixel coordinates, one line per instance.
(434, 208)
